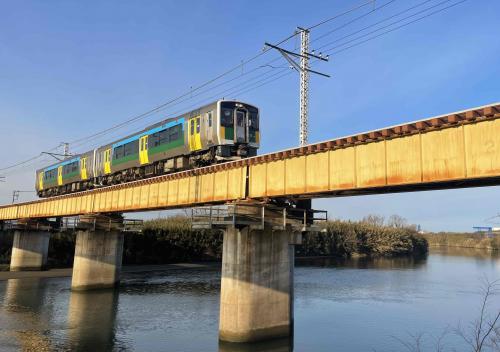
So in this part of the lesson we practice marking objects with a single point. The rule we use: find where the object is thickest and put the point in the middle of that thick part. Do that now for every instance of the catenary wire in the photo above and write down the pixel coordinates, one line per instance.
(237, 67)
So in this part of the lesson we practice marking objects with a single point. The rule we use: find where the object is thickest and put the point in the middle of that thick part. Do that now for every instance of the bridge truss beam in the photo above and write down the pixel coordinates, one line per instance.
(456, 150)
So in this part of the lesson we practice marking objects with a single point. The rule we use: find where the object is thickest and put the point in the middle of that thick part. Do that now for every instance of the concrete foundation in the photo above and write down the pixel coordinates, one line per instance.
(98, 259)
(257, 285)
(29, 250)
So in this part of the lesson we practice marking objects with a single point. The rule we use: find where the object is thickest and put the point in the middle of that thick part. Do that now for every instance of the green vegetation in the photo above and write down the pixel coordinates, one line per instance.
(173, 240)
(463, 240)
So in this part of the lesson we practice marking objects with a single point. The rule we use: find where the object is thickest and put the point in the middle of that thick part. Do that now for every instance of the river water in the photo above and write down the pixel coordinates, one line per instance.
(350, 305)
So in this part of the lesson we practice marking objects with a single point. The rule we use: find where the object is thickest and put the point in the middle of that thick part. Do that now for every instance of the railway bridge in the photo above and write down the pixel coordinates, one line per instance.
(456, 150)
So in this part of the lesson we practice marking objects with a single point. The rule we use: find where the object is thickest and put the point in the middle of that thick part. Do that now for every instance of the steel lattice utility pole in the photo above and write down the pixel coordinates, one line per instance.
(304, 85)
(304, 70)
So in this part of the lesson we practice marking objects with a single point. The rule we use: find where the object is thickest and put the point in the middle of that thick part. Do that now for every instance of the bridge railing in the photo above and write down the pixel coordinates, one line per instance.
(258, 216)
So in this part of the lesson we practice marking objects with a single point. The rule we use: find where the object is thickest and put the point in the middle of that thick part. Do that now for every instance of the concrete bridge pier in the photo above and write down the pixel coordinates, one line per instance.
(98, 252)
(257, 284)
(30, 247)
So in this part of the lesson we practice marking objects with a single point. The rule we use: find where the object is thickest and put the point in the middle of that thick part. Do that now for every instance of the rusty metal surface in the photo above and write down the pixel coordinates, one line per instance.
(454, 150)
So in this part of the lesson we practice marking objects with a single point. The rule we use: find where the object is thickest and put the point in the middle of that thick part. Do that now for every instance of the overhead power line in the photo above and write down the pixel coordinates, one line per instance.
(279, 75)
(375, 9)
(190, 92)
(338, 16)
(189, 95)
(332, 50)
(200, 89)
(229, 71)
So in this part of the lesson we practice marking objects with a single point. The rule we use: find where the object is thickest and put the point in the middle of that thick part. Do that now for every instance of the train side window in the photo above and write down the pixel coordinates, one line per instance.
(197, 125)
(174, 133)
(191, 128)
(50, 174)
(209, 118)
(128, 149)
(118, 152)
(154, 139)
(163, 137)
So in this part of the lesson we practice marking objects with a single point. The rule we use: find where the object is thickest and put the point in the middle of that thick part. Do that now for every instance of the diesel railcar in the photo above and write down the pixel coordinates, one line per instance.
(221, 131)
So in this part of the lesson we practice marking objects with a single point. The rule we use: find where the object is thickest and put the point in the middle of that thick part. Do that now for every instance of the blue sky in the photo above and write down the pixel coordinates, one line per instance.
(68, 69)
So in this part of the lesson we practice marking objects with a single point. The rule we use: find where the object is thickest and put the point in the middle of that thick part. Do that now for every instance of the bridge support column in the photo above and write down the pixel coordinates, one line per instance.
(29, 250)
(98, 253)
(257, 284)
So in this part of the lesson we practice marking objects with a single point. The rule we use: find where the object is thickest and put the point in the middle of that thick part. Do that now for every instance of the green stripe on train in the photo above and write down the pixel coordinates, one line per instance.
(164, 147)
(125, 159)
(49, 183)
(71, 174)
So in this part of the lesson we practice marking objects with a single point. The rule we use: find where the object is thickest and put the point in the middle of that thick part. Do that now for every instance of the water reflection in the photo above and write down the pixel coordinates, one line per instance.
(23, 303)
(278, 345)
(25, 295)
(91, 320)
(178, 310)
(410, 262)
(475, 253)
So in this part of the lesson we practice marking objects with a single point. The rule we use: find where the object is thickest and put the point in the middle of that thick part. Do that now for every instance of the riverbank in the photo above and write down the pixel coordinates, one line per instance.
(172, 240)
(67, 272)
(463, 240)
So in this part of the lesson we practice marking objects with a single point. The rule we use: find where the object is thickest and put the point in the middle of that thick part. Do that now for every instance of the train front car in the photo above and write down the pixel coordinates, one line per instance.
(239, 134)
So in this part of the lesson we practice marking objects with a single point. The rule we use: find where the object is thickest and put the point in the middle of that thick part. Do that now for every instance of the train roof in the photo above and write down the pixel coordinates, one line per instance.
(63, 162)
(167, 121)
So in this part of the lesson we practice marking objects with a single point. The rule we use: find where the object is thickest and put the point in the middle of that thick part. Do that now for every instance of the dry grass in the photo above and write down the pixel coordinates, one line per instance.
(345, 238)
(463, 240)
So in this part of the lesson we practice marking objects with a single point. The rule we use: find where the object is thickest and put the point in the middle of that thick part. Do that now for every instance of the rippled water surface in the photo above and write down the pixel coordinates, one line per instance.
(354, 305)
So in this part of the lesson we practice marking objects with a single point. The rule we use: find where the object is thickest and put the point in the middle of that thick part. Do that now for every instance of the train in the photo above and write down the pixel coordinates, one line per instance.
(222, 131)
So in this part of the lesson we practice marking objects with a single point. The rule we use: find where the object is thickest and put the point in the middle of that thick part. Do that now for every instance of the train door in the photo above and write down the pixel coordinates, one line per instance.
(40, 180)
(84, 174)
(143, 150)
(194, 135)
(107, 161)
(59, 176)
(241, 126)
(209, 128)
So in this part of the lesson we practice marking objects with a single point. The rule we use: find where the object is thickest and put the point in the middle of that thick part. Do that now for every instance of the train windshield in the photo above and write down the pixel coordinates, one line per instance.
(226, 117)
